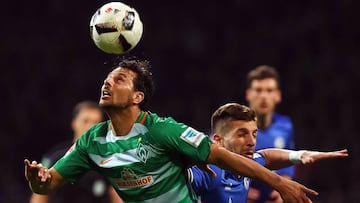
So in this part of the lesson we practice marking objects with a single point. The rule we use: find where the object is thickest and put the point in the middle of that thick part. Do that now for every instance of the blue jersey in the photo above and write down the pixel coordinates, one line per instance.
(226, 187)
(279, 134)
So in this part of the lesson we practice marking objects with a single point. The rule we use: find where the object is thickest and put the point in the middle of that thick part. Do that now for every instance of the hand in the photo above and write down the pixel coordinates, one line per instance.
(36, 174)
(309, 157)
(294, 192)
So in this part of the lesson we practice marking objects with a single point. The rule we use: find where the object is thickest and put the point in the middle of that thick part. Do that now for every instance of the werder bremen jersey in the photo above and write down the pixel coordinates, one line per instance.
(147, 165)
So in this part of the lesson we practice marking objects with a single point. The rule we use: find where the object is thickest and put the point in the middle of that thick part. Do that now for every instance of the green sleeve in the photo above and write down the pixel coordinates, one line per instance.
(75, 162)
(183, 139)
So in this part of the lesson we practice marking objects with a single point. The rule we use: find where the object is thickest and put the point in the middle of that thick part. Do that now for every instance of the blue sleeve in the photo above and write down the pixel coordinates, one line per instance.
(290, 171)
(259, 158)
(201, 181)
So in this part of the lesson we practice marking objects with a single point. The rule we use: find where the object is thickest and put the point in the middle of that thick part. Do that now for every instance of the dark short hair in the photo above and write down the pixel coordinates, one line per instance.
(230, 112)
(262, 72)
(85, 105)
(143, 81)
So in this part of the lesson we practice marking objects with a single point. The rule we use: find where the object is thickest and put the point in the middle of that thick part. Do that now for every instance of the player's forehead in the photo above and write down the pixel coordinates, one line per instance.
(264, 83)
(121, 71)
(242, 125)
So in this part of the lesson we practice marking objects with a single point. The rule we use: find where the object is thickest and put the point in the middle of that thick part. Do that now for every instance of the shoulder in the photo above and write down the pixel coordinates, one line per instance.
(283, 120)
(98, 130)
(155, 119)
(281, 117)
(164, 125)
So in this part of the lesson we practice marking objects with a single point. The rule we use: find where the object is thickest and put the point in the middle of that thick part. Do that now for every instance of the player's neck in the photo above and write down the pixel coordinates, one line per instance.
(122, 121)
(264, 120)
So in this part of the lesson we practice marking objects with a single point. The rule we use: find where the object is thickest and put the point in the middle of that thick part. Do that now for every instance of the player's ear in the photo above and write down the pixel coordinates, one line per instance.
(138, 97)
(218, 139)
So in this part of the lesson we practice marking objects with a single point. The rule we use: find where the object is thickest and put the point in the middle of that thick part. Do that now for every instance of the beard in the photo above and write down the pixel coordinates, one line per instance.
(115, 107)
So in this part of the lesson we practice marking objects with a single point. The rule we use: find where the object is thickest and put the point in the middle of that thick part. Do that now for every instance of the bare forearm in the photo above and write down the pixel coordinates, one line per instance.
(276, 158)
(280, 158)
(36, 198)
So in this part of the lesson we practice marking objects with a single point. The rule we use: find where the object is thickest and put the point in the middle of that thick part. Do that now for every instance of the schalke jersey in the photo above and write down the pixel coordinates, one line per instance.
(226, 187)
(278, 135)
(146, 165)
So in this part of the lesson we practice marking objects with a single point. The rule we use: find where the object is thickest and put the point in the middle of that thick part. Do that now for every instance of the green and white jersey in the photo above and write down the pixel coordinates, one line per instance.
(147, 165)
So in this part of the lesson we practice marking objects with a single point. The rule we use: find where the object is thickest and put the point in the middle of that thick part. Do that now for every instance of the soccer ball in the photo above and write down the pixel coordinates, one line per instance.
(116, 28)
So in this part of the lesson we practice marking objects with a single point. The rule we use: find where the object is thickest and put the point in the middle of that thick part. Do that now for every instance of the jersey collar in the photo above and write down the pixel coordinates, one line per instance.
(142, 117)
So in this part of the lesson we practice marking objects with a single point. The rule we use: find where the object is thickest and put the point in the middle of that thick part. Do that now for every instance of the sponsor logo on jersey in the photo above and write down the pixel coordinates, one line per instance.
(256, 155)
(104, 162)
(192, 136)
(130, 180)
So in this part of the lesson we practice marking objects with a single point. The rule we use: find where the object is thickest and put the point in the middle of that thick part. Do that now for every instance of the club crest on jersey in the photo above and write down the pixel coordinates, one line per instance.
(130, 180)
(192, 136)
(144, 152)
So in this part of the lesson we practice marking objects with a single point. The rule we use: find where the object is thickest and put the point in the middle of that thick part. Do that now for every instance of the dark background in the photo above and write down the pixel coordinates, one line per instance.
(200, 52)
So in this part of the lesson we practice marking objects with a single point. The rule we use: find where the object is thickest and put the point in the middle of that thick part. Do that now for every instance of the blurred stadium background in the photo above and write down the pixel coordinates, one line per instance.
(200, 52)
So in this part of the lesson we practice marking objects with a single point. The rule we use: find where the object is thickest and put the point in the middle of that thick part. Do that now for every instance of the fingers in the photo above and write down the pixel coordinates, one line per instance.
(43, 174)
(26, 162)
(335, 154)
(343, 153)
(310, 191)
(307, 199)
(35, 171)
(314, 156)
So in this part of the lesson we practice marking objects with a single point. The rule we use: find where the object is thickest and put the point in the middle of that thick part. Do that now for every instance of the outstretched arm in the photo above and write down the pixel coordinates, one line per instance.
(41, 179)
(290, 191)
(281, 158)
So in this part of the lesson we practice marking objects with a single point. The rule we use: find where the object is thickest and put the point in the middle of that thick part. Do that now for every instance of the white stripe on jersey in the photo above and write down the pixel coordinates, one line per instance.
(116, 159)
(137, 129)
